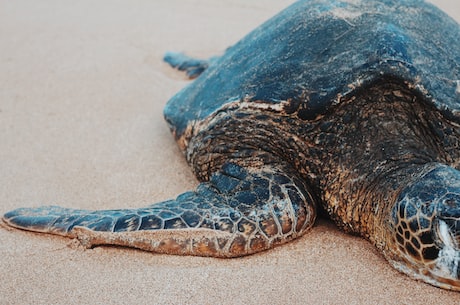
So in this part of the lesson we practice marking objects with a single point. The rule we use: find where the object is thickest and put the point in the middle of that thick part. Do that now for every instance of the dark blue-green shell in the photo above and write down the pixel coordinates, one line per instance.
(320, 51)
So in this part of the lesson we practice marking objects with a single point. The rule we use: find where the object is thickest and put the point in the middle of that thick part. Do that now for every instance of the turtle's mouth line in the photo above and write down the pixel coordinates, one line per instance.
(443, 282)
(431, 275)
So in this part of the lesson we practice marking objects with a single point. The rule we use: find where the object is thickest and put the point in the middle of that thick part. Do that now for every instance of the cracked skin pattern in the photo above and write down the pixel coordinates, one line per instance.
(235, 213)
(352, 108)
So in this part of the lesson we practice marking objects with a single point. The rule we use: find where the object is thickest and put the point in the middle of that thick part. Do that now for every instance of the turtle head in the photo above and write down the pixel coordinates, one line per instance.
(426, 228)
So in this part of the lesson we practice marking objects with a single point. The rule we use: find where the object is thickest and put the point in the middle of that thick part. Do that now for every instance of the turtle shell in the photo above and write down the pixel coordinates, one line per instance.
(318, 52)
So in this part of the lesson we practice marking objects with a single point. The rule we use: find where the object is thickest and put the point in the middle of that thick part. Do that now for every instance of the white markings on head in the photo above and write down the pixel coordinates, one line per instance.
(449, 256)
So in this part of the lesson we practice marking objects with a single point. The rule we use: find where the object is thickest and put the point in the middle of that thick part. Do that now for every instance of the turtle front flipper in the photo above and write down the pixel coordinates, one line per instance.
(192, 67)
(238, 212)
(425, 227)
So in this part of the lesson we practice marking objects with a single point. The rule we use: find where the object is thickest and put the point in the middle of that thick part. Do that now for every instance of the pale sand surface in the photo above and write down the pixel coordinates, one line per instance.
(82, 87)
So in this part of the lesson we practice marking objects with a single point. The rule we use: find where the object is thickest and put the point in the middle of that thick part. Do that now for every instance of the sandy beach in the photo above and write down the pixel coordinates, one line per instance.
(82, 88)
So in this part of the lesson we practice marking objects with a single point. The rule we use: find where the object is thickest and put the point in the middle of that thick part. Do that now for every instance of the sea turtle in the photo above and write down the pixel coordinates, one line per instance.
(351, 107)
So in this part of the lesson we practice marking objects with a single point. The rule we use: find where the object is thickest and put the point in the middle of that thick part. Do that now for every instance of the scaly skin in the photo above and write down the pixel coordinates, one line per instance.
(398, 139)
(236, 213)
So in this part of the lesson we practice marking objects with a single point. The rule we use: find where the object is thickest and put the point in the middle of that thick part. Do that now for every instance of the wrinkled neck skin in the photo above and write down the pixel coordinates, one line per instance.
(356, 157)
